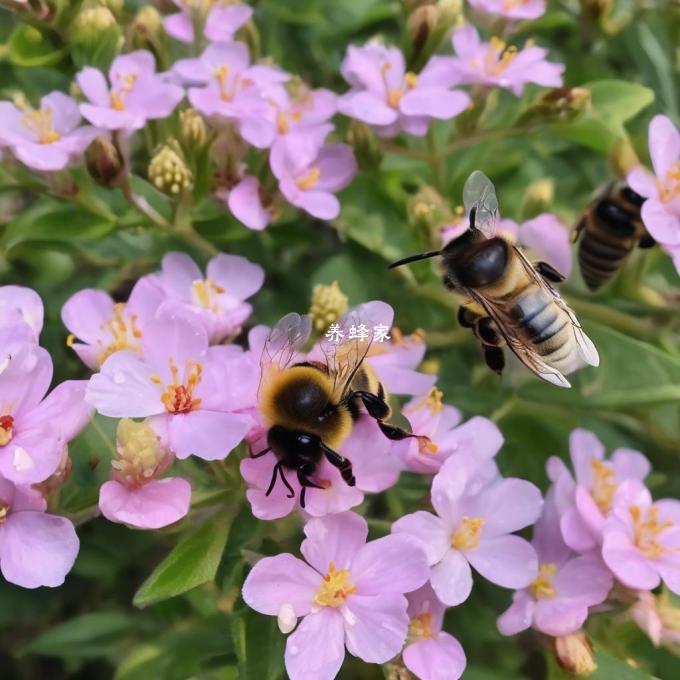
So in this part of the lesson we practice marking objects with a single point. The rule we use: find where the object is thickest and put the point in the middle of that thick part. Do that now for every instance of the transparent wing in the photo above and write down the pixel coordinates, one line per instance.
(285, 340)
(479, 194)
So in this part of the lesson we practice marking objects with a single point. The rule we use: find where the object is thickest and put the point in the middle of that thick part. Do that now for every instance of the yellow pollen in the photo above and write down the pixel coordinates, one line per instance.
(603, 488)
(394, 97)
(204, 294)
(647, 531)
(39, 122)
(178, 396)
(123, 329)
(467, 535)
(282, 123)
(117, 98)
(433, 400)
(6, 429)
(227, 94)
(335, 588)
(140, 455)
(499, 56)
(70, 339)
(542, 587)
(155, 379)
(310, 180)
(420, 627)
(670, 188)
(411, 80)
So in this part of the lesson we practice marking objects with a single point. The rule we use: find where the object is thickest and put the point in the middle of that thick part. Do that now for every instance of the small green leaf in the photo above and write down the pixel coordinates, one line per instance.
(192, 562)
(258, 643)
(28, 46)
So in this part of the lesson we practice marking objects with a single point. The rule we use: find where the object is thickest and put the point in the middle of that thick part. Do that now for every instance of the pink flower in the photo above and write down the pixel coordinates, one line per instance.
(546, 237)
(373, 464)
(431, 653)
(21, 309)
(222, 22)
(661, 210)
(216, 301)
(228, 89)
(36, 549)
(105, 326)
(557, 601)
(34, 428)
(658, 618)
(134, 94)
(384, 95)
(190, 388)
(136, 496)
(473, 527)
(585, 502)
(47, 138)
(245, 203)
(511, 9)
(309, 174)
(641, 539)
(495, 64)
(478, 437)
(350, 594)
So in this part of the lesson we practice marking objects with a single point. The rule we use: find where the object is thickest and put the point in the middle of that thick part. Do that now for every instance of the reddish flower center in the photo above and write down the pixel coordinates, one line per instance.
(39, 122)
(6, 429)
(335, 588)
(178, 396)
(542, 587)
(647, 531)
(468, 534)
(603, 488)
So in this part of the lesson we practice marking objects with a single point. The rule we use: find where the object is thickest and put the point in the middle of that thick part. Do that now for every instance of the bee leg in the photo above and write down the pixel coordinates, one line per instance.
(646, 241)
(494, 358)
(278, 470)
(487, 331)
(375, 406)
(397, 434)
(344, 465)
(549, 273)
(466, 317)
(303, 475)
(259, 454)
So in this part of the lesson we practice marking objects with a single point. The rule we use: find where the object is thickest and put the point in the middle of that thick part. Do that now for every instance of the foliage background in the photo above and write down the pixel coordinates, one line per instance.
(99, 624)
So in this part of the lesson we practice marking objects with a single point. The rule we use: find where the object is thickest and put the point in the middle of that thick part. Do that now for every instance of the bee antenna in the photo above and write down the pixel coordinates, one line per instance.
(415, 258)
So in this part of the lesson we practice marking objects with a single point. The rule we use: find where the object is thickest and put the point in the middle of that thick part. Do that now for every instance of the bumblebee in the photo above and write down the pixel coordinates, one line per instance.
(309, 407)
(507, 299)
(608, 232)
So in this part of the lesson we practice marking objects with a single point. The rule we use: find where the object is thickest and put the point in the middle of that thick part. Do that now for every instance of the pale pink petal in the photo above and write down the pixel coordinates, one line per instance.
(559, 617)
(85, 312)
(630, 464)
(625, 560)
(179, 27)
(434, 101)
(448, 487)
(392, 564)
(367, 107)
(507, 561)
(466, 41)
(436, 658)
(32, 455)
(224, 20)
(670, 573)
(337, 166)
(335, 497)
(518, 616)
(24, 381)
(316, 650)
(451, 579)
(427, 528)
(279, 580)
(576, 533)
(240, 277)
(589, 511)
(246, 205)
(37, 549)
(155, 505)
(664, 145)
(26, 302)
(139, 63)
(375, 626)
(335, 538)
(586, 578)
(584, 446)
(210, 435)
(124, 389)
(175, 334)
(425, 601)
(93, 85)
(178, 273)
(549, 239)
(642, 182)
(319, 204)
(663, 225)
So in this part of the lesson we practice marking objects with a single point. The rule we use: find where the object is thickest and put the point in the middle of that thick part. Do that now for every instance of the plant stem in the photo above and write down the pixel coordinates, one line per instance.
(434, 161)
(640, 328)
(486, 136)
(142, 205)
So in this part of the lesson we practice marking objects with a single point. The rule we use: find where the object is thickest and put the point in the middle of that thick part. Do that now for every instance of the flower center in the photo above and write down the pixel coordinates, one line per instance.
(467, 535)
(309, 180)
(204, 293)
(6, 429)
(117, 97)
(39, 122)
(394, 95)
(647, 531)
(335, 588)
(670, 189)
(420, 627)
(499, 56)
(4, 511)
(140, 454)
(542, 586)
(123, 330)
(178, 396)
(229, 91)
(511, 4)
(603, 488)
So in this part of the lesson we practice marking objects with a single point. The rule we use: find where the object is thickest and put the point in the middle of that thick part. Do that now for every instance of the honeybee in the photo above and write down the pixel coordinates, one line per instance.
(609, 230)
(508, 300)
(309, 407)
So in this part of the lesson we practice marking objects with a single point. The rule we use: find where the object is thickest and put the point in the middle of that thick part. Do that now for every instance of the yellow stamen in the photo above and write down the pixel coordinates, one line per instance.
(646, 532)
(670, 188)
(335, 588)
(468, 534)
(310, 180)
(542, 587)
(178, 396)
(118, 98)
(603, 488)
(4, 511)
(123, 329)
(70, 340)
(204, 292)
(499, 56)
(39, 122)
(420, 627)
(511, 4)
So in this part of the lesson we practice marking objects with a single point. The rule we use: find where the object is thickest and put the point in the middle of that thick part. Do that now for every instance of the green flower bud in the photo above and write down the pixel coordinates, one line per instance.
(168, 172)
(575, 654)
(104, 162)
(420, 25)
(193, 130)
(96, 37)
(367, 150)
(329, 303)
(146, 30)
(562, 103)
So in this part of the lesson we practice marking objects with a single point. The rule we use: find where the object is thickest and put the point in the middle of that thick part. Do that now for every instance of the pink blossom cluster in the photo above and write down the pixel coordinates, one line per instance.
(37, 548)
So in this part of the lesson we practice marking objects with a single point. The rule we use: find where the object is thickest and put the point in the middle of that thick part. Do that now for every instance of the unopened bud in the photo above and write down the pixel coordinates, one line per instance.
(623, 157)
(104, 162)
(140, 454)
(58, 477)
(421, 24)
(146, 30)
(96, 37)
(367, 150)
(116, 6)
(538, 198)
(563, 103)
(20, 100)
(168, 172)
(193, 130)
(427, 210)
(91, 22)
(575, 654)
(329, 303)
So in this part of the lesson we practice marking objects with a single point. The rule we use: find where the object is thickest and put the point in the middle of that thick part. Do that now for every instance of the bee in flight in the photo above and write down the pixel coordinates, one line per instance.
(507, 299)
(309, 407)
(608, 232)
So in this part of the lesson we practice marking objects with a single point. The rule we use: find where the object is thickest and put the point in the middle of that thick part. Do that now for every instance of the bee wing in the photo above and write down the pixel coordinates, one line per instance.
(586, 349)
(479, 194)
(285, 339)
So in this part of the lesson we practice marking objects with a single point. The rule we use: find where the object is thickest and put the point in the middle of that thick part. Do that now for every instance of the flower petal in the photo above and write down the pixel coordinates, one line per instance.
(559, 617)
(210, 435)
(625, 560)
(436, 658)
(427, 528)
(246, 205)
(240, 277)
(507, 561)
(451, 579)
(664, 145)
(518, 616)
(334, 538)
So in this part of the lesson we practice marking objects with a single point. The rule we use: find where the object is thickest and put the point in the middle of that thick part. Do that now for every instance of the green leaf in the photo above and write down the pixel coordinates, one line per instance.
(28, 46)
(87, 636)
(258, 643)
(192, 562)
